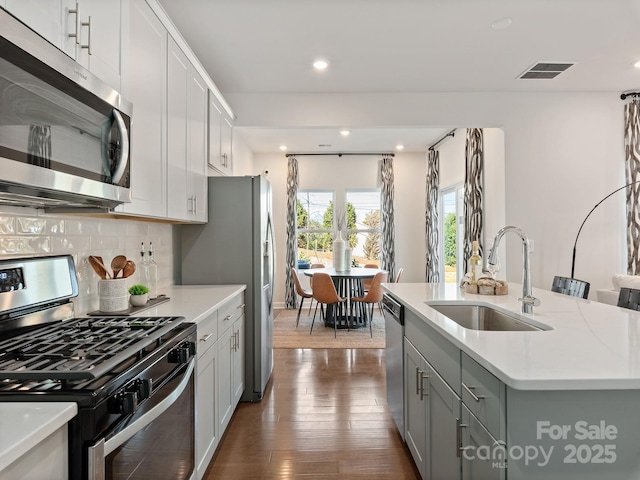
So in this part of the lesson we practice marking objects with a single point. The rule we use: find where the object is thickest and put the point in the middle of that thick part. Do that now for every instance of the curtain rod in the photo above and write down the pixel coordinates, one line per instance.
(452, 133)
(339, 154)
(629, 94)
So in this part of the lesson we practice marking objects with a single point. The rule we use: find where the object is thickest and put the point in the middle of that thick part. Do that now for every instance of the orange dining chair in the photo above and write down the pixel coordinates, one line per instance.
(372, 297)
(302, 293)
(324, 292)
(366, 282)
(313, 265)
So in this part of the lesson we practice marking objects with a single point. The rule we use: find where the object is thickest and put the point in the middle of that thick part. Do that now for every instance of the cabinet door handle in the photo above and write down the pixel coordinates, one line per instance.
(240, 306)
(477, 398)
(227, 318)
(77, 22)
(422, 389)
(418, 373)
(195, 204)
(459, 427)
(88, 44)
(206, 337)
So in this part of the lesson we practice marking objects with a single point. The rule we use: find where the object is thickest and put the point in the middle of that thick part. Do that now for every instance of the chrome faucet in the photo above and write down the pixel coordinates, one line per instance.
(528, 300)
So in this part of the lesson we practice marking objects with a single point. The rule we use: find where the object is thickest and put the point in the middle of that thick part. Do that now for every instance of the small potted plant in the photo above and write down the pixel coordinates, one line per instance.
(303, 262)
(139, 295)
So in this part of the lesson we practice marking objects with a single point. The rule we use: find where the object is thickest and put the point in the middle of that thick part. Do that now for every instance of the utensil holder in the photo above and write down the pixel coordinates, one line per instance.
(113, 295)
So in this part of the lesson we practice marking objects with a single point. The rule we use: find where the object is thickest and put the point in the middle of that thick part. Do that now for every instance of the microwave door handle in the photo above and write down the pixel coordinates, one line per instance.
(124, 147)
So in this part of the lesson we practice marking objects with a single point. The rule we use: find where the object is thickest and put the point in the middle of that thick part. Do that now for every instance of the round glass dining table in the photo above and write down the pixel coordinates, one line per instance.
(348, 284)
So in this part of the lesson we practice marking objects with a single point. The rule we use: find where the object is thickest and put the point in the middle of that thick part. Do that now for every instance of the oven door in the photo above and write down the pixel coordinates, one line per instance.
(157, 441)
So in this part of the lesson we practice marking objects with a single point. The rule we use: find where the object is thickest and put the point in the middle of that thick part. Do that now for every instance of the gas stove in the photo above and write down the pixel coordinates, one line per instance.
(127, 374)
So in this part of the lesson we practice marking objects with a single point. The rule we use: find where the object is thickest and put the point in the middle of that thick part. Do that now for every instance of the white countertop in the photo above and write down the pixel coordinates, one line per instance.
(24, 425)
(194, 302)
(591, 345)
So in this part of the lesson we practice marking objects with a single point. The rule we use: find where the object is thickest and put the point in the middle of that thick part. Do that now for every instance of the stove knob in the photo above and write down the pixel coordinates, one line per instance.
(127, 403)
(180, 355)
(143, 388)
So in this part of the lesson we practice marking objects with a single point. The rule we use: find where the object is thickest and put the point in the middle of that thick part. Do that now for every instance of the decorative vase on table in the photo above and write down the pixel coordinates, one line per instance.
(338, 253)
(348, 257)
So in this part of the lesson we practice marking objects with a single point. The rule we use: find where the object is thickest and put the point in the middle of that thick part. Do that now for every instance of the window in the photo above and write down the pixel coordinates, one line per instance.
(452, 237)
(363, 224)
(314, 221)
(316, 226)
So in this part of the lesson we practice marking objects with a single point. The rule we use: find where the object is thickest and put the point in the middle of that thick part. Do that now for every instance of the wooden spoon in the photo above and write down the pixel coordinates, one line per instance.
(99, 267)
(129, 269)
(117, 264)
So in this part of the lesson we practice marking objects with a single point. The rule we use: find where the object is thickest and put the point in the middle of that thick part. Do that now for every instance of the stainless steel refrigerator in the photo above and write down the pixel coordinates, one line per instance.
(236, 246)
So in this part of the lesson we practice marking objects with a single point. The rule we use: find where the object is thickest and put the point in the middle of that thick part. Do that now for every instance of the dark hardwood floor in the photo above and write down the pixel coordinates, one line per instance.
(323, 416)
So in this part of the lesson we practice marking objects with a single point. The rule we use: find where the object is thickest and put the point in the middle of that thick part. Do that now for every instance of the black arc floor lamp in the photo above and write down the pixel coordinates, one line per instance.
(573, 260)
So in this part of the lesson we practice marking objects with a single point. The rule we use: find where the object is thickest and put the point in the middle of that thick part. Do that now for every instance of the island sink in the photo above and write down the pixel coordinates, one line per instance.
(483, 317)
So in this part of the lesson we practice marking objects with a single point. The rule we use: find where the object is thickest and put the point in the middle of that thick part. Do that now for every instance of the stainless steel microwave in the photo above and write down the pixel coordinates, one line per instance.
(64, 134)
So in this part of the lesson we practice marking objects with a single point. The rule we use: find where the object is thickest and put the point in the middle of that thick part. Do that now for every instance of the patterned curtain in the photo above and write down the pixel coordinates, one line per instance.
(388, 250)
(473, 195)
(290, 299)
(632, 174)
(431, 216)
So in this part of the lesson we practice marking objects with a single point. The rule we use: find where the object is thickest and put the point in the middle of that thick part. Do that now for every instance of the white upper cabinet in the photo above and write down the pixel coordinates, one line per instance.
(186, 139)
(47, 17)
(220, 137)
(98, 25)
(197, 145)
(146, 88)
(89, 31)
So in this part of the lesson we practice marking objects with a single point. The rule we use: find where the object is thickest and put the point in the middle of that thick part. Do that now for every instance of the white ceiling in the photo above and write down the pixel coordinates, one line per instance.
(404, 46)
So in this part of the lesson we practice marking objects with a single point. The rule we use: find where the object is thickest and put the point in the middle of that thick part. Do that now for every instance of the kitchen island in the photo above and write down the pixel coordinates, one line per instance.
(560, 402)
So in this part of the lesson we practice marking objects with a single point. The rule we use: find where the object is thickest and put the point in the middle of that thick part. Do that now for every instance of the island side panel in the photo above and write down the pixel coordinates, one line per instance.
(573, 435)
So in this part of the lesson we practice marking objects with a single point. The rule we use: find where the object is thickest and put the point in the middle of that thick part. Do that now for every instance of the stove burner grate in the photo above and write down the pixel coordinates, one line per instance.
(82, 348)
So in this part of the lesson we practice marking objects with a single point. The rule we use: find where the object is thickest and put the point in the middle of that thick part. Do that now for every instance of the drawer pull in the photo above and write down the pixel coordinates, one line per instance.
(206, 337)
(459, 427)
(240, 306)
(477, 398)
(227, 318)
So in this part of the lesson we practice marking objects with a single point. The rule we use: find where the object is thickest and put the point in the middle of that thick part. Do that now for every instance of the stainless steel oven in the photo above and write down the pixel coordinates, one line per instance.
(132, 377)
(64, 134)
(155, 440)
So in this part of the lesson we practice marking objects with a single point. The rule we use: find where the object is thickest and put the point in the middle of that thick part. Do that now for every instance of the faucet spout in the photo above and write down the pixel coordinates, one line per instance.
(528, 300)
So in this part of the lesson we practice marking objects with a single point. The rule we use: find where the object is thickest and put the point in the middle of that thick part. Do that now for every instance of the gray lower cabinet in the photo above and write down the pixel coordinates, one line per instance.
(447, 433)
(483, 457)
(444, 418)
(416, 418)
(432, 412)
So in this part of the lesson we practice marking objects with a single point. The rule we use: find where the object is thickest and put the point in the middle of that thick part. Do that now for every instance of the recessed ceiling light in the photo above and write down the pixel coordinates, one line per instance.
(399, 147)
(345, 133)
(320, 64)
(283, 147)
(502, 24)
(637, 64)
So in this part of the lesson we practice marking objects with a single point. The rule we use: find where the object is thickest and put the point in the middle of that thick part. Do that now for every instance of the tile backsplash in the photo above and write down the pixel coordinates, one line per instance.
(26, 232)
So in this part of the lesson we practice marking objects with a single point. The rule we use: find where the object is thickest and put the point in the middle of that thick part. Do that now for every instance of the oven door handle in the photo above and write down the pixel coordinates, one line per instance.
(99, 451)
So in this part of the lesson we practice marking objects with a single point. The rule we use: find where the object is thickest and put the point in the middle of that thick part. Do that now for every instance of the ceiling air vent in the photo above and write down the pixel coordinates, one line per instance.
(545, 70)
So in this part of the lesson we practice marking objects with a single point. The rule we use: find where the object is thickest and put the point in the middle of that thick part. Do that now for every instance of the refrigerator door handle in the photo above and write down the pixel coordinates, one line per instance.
(272, 258)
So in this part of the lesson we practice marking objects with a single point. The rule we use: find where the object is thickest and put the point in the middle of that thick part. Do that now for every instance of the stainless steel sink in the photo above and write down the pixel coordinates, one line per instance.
(483, 317)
